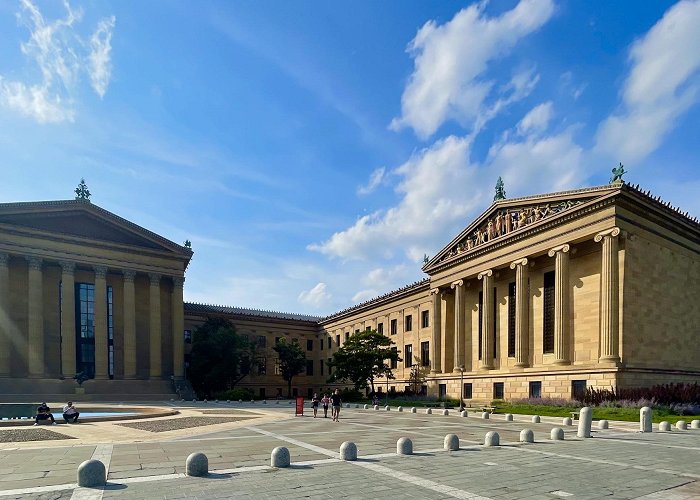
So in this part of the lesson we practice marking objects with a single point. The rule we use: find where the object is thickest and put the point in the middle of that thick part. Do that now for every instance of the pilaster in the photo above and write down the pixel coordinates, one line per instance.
(67, 319)
(609, 296)
(155, 368)
(178, 313)
(561, 303)
(522, 307)
(35, 318)
(436, 332)
(101, 341)
(129, 304)
(5, 321)
(459, 329)
(487, 332)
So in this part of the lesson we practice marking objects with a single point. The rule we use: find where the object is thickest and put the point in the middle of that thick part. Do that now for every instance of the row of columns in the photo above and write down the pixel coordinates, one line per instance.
(609, 310)
(35, 321)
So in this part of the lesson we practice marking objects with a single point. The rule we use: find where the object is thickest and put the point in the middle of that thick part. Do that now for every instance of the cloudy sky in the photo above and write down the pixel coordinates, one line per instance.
(314, 151)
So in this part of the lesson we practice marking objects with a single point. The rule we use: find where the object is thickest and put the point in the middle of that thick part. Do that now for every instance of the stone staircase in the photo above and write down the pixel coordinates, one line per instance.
(37, 390)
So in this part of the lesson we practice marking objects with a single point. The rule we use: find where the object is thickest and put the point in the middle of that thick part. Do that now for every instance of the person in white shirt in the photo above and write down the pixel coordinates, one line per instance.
(70, 413)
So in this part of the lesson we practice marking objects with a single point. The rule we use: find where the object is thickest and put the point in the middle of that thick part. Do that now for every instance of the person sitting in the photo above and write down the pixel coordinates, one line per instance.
(43, 412)
(70, 413)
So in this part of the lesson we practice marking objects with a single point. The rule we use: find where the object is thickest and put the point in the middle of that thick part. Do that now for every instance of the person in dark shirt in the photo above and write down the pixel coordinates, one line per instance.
(43, 412)
(336, 402)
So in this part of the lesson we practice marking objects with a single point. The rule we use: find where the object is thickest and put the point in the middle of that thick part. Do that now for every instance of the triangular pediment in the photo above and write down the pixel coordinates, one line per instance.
(83, 220)
(506, 217)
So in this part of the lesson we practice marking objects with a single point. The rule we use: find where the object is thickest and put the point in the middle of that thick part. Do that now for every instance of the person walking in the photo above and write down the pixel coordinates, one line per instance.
(314, 404)
(70, 413)
(336, 401)
(325, 401)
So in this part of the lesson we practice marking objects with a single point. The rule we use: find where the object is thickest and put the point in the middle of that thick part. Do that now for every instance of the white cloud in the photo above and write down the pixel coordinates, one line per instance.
(450, 58)
(56, 49)
(537, 119)
(364, 295)
(316, 297)
(101, 47)
(375, 179)
(663, 83)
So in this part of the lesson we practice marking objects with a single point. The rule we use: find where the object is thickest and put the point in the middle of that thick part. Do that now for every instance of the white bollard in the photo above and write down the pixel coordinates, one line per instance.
(485, 415)
(348, 451)
(536, 419)
(603, 424)
(682, 425)
(584, 423)
(404, 446)
(400, 408)
(567, 421)
(464, 413)
(387, 408)
(508, 417)
(664, 426)
(695, 424)
(445, 412)
(428, 411)
(556, 434)
(527, 436)
(92, 474)
(280, 457)
(413, 409)
(451, 442)
(197, 464)
(376, 407)
(492, 438)
(645, 419)
(366, 406)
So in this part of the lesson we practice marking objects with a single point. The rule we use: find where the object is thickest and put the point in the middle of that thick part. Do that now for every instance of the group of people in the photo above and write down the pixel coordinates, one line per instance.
(43, 412)
(333, 400)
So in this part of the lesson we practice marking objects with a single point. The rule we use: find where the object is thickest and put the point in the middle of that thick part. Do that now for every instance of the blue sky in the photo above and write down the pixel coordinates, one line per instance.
(313, 152)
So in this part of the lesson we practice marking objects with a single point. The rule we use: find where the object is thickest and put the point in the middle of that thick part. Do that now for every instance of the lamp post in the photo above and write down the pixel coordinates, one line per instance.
(461, 387)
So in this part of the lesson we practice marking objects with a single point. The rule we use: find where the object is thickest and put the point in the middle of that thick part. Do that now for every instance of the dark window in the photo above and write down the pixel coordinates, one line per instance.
(393, 360)
(467, 394)
(409, 323)
(423, 390)
(337, 339)
(347, 336)
(330, 369)
(329, 342)
(85, 328)
(380, 328)
(309, 345)
(442, 391)
(262, 341)
(578, 389)
(481, 320)
(535, 390)
(425, 353)
(309, 366)
(408, 355)
(498, 390)
(548, 324)
(110, 332)
(321, 342)
(262, 393)
(392, 328)
(368, 329)
(357, 331)
(262, 365)
(511, 320)
(321, 367)
(425, 319)
(277, 340)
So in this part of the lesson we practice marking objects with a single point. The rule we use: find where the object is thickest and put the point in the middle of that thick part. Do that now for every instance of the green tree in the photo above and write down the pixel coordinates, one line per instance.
(220, 357)
(363, 358)
(292, 361)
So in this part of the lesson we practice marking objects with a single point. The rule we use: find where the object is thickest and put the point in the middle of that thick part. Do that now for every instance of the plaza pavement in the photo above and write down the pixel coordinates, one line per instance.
(616, 463)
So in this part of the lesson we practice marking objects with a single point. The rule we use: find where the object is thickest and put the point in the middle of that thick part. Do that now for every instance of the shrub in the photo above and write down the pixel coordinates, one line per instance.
(236, 394)
(667, 394)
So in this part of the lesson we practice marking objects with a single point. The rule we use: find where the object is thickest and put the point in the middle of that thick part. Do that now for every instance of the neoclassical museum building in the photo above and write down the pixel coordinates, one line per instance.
(540, 296)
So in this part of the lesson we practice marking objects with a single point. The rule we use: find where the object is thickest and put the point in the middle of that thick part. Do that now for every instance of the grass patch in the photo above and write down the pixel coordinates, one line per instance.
(623, 414)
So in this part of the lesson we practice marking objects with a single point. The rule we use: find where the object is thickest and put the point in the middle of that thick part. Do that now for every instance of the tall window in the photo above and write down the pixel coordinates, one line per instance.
(380, 328)
(321, 367)
(309, 366)
(511, 319)
(425, 353)
(85, 325)
(321, 342)
(498, 391)
(329, 342)
(548, 323)
(467, 391)
(110, 332)
(337, 340)
(578, 389)
(408, 355)
(393, 360)
(393, 327)
(309, 345)
(262, 341)
(425, 319)
(409, 323)
(481, 320)
(347, 336)
(535, 389)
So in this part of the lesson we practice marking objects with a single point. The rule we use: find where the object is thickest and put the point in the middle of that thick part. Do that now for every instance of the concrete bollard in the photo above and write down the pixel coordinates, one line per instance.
(485, 415)
(508, 417)
(451, 442)
(536, 419)
(556, 434)
(366, 406)
(387, 408)
(603, 424)
(492, 439)
(348, 451)
(682, 425)
(92, 474)
(428, 411)
(413, 409)
(264, 401)
(376, 407)
(228, 400)
(400, 408)
(567, 421)
(404, 446)
(584, 423)
(527, 436)
(664, 426)
(645, 419)
(197, 464)
(464, 413)
(695, 424)
(280, 457)
(445, 412)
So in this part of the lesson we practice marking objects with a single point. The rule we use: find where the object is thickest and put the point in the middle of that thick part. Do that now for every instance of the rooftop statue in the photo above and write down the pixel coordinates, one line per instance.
(82, 192)
(617, 174)
(500, 190)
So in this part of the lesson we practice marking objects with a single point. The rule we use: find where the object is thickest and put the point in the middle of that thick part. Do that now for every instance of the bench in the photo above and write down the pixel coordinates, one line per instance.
(574, 415)
(489, 409)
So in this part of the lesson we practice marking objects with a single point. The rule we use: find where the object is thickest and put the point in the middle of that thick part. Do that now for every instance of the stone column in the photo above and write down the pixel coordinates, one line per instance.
(178, 328)
(487, 320)
(609, 296)
(522, 307)
(459, 330)
(436, 336)
(129, 325)
(5, 344)
(67, 319)
(35, 319)
(154, 331)
(101, 341)
(561, 303)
